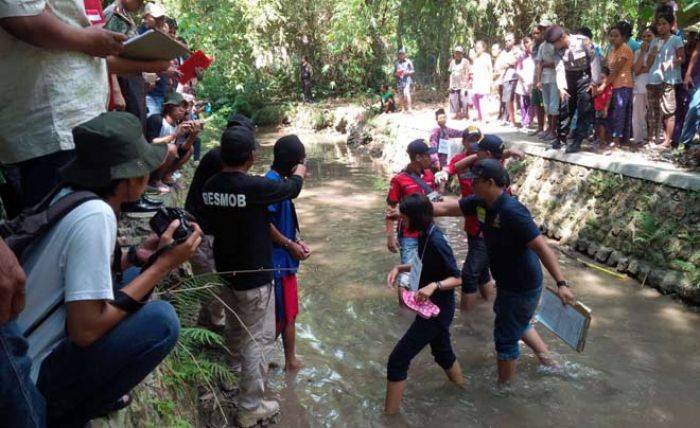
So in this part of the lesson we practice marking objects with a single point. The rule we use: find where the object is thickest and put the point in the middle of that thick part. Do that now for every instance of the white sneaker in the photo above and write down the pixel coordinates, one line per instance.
(267, 413)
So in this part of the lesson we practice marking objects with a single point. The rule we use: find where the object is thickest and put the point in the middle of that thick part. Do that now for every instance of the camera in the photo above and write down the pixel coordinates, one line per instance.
(166, 215)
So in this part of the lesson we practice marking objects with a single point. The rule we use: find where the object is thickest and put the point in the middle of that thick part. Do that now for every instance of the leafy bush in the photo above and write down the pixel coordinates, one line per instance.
(271, 115)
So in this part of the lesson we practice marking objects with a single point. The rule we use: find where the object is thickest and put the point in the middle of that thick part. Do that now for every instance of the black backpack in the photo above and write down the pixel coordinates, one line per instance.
(34, 222)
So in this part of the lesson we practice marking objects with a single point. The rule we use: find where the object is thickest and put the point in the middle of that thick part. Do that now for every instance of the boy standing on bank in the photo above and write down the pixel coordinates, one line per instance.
(515, 248)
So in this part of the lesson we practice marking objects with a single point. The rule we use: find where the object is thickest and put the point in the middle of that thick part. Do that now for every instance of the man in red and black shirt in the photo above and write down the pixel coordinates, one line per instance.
(475, 271)
(415, 178)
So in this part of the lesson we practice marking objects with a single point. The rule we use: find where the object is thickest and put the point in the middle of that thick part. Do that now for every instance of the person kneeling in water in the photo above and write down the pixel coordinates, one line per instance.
(438, 277)
(515, 248)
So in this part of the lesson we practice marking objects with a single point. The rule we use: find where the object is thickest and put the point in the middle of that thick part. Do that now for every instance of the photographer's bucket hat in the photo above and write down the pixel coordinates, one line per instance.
(109, 147)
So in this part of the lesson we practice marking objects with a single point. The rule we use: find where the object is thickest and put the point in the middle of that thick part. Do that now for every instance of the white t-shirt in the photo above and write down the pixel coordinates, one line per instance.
(663, 70)
(70, 263)
(640, 80)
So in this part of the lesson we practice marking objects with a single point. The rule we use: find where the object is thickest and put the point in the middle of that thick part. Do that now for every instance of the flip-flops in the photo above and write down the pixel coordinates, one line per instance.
(426, 309)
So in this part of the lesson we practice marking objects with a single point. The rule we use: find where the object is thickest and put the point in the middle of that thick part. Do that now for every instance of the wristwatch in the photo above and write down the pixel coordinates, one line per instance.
(562, 283)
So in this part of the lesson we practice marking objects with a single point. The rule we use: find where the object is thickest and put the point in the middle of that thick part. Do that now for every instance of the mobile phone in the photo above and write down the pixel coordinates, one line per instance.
(118, 23)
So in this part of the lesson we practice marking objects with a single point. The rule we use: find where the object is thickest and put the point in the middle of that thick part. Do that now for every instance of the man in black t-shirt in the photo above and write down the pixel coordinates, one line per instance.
(213, 314)
(235, 209)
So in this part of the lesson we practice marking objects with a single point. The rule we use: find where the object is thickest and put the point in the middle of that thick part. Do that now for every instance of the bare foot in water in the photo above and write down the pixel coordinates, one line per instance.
(292, 365)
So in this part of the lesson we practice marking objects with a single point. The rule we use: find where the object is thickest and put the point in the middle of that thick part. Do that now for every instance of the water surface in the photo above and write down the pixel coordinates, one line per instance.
(641, 365)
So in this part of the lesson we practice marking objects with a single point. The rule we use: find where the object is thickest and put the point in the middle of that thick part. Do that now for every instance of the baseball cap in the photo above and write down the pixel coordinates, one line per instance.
(491, 169)
(492, 144)
(553, 33)
(237, 143)
(156, 10)
(472, 134)
(418, 147)
(459, 49)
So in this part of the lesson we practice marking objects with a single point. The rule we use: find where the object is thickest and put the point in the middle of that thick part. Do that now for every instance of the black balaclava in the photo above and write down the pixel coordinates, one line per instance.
(289, 152)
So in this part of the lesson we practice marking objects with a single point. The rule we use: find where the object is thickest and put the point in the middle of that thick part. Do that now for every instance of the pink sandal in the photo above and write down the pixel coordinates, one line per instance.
(426, 309)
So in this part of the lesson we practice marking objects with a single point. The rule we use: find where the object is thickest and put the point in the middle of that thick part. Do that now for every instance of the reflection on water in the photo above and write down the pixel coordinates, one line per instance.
(641, 366)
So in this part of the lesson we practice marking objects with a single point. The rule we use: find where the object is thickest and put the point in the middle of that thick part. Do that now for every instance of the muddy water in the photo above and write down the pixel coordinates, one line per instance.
(641, 366)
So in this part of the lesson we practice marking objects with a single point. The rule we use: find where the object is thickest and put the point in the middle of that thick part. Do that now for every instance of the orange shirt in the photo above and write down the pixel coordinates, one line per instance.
(624, 55)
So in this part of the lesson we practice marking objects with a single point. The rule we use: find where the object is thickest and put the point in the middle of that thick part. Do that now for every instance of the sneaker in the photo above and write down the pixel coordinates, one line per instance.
(152, 201)
(266, 413)
(158, 188)
(139, 206)
(573, 148)
(556, 145)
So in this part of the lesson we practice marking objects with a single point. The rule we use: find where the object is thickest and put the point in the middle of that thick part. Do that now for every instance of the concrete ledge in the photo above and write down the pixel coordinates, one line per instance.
(619, 163)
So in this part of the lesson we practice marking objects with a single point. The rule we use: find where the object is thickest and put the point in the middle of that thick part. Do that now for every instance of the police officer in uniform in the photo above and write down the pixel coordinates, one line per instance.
(576, 87)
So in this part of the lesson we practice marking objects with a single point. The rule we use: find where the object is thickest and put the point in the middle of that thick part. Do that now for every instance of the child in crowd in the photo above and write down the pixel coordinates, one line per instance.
(437, 279)
(288, 248)
(386, 98)
(601, 104)
(440, 138)
(667, 55)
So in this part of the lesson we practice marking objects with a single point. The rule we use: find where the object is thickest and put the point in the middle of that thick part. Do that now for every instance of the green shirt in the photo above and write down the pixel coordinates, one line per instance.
(386, 95)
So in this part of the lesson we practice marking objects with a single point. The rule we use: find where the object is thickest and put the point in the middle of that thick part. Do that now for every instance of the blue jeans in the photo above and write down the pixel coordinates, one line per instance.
(690, 126)
(81, 383)
(514, 311)
(409, 248)
(154, 105)
(21, 405)
(475, 270)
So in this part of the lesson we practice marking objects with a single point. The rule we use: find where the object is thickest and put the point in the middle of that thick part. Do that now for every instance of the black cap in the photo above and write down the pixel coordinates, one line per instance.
(238, 119)
(492, 144)
(491, 169)
(236, 144)
(553, 33)
(418, 147)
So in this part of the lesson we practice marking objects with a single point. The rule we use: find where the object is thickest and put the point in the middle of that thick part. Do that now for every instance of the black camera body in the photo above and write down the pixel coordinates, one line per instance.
(166, 215)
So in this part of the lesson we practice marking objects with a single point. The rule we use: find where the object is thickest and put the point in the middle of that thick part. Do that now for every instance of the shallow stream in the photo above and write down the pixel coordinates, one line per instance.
(641, 365)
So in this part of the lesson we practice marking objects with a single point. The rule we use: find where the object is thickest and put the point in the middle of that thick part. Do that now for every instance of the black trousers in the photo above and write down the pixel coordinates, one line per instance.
(306, 89)
(579, 101)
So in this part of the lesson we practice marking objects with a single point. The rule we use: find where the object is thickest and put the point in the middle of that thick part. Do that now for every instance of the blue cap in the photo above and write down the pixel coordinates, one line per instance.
(492, 144)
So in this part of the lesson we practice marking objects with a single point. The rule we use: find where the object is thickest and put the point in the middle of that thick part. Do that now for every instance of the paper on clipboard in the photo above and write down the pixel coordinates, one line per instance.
(570, 323)
(443, 146)
(153, 45)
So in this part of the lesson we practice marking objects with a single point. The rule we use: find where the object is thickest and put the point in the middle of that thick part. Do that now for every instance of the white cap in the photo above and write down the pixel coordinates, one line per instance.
(459, 49)
(187, 97)
(156, 10)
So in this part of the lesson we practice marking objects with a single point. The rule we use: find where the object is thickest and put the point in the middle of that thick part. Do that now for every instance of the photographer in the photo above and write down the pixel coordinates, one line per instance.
(179, 135)
(90, 345)
(236, 210)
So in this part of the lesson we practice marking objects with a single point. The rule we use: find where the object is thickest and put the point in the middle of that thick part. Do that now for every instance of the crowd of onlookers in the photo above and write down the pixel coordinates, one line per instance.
(84, 133)
(637, 91)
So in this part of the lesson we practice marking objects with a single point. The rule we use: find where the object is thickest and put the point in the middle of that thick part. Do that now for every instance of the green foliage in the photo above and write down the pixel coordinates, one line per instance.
(272, 115)
(257, 45)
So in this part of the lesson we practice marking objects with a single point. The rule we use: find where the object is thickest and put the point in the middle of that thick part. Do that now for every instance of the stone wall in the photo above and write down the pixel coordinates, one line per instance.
(647, 230)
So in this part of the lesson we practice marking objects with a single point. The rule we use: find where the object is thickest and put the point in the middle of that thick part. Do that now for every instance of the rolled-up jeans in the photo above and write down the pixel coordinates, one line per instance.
(408, 249)
(256, 309)
(21, 404)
